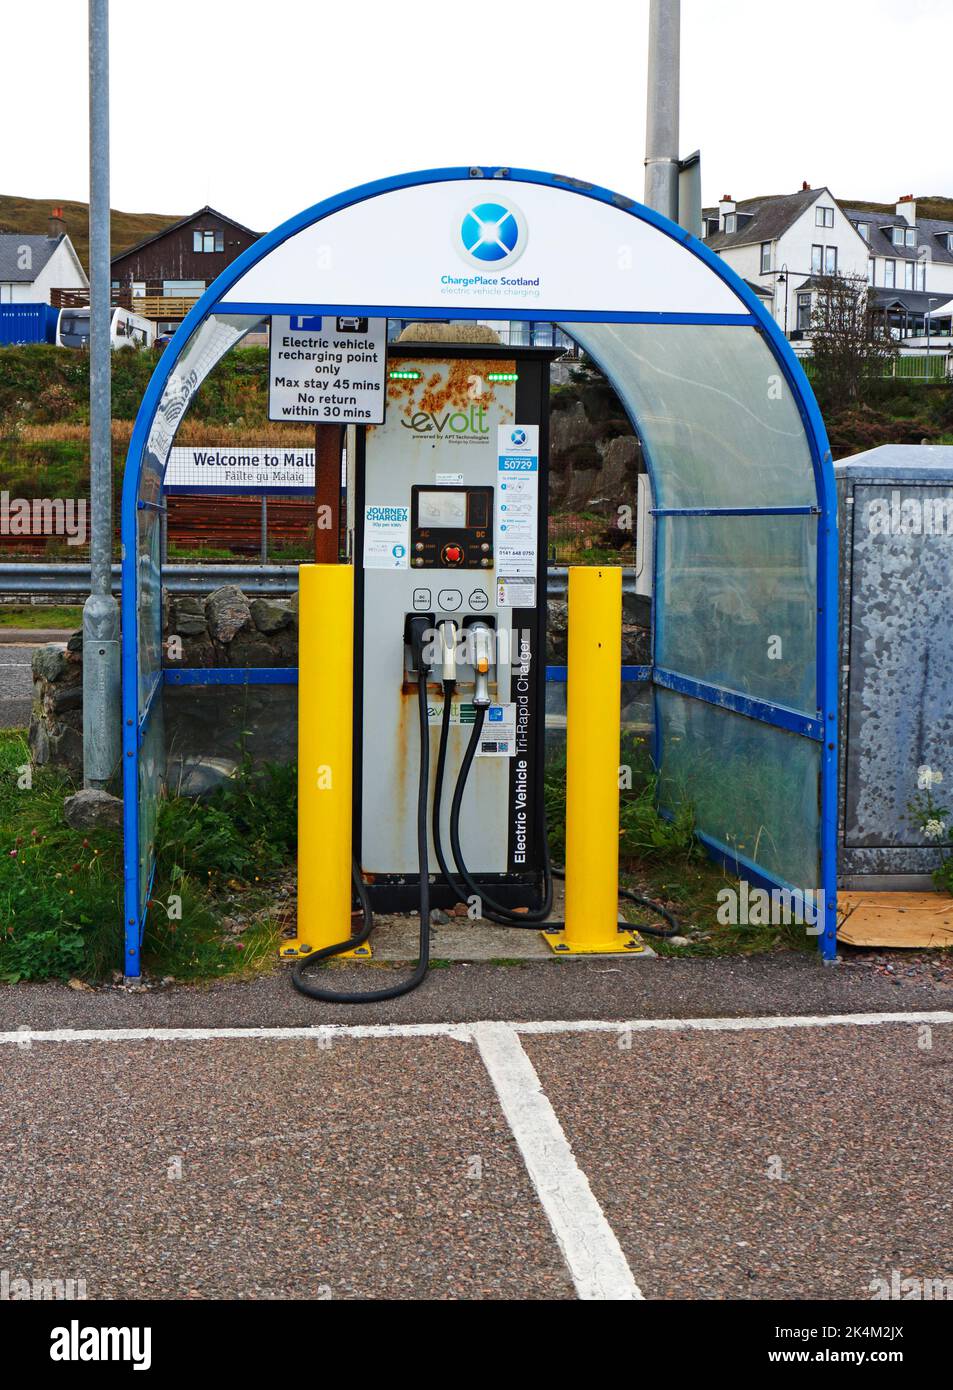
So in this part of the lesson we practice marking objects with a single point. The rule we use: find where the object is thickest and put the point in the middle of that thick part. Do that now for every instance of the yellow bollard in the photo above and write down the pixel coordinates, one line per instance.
(593, 726)
(325, 730)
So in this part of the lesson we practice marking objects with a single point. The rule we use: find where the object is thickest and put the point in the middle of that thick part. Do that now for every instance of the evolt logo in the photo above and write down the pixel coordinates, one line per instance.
(471, 421)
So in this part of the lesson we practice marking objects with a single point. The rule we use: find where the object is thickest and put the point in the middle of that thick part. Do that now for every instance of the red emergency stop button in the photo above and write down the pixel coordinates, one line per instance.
(452, 555)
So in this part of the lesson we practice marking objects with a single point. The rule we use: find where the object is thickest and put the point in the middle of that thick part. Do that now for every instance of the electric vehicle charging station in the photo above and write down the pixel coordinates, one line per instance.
(462, 459)
(743, 501)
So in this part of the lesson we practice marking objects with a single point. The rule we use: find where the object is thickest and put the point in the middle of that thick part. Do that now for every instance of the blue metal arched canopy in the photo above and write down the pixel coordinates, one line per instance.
(740, 467)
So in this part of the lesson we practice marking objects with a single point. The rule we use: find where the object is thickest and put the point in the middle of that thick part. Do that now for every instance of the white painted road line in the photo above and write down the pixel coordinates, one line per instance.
(462, 1031)
(593, 1256)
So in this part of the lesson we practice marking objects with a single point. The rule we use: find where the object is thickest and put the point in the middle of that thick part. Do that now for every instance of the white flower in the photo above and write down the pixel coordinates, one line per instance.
(934, 829)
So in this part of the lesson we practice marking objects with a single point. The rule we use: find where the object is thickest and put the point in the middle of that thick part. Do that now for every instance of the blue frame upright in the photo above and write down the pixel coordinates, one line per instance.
(822, 729)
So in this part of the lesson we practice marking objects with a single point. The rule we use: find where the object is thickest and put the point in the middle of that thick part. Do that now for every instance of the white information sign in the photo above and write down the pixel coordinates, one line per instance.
(258, 468)
(517, 500)
(386, 537)
(328, 369)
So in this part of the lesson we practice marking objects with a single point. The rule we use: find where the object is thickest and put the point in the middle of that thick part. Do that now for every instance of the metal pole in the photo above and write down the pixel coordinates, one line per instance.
(264, 529)
(101, 741)
(593, 695)
(325, 758)
(661, 120)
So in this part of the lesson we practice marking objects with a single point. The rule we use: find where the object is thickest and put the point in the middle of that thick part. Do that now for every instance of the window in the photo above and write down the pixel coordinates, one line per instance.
(208, 241)
(803, 312)
(871, 271)
(949, 241)
(908, 269)
(730, 221)
(823, 217)
(898, 236)
(910, 237)
(830, 260)
(864, 229)
(817, 259)
(890, 274)
(922, 276)
(765, 257)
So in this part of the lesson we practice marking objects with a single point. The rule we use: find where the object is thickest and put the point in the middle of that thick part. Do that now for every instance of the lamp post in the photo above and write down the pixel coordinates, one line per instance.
(930, 303)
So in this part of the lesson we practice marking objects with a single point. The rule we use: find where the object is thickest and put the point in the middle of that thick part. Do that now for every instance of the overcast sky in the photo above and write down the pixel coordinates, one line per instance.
(263, 109)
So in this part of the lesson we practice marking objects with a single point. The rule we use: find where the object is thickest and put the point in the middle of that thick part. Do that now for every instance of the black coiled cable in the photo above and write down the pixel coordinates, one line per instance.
(377, 995)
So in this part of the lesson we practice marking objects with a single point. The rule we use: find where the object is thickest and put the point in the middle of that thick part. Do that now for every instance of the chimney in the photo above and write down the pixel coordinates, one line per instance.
(907, 208)
(57, 227)
(725, 206)
(805, 187)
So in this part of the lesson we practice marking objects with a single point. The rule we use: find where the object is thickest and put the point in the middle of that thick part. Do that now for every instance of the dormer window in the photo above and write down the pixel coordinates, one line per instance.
(864, 229)
(731, 222)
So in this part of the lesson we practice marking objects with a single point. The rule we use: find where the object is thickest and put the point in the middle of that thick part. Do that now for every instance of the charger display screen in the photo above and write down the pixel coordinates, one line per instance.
(442, 509)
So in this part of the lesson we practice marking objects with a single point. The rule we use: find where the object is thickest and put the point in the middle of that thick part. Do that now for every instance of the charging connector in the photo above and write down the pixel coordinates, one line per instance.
(481, 637)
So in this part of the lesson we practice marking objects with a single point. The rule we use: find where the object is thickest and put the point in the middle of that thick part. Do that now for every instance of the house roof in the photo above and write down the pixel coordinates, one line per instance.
(931, 232)
(762, 291)
(914, 301)
(183, 222)
(767, 217)
(41, 249)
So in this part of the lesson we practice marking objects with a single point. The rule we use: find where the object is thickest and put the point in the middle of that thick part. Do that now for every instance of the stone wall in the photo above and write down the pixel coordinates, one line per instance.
(217, 726)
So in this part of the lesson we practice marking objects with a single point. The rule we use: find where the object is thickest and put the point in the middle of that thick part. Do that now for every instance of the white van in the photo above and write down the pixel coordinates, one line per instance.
(125, 329)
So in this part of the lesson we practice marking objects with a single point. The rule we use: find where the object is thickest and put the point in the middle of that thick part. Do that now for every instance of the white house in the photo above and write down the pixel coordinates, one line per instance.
(32, 266)
(783, 245)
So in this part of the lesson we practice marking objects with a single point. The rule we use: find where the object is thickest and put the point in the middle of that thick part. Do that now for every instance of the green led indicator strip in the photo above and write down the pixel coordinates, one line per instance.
(502, 376)
(404, 376)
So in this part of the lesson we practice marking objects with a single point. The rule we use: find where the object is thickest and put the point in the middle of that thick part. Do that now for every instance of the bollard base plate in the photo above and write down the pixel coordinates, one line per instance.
(300, 950)
(619, 943)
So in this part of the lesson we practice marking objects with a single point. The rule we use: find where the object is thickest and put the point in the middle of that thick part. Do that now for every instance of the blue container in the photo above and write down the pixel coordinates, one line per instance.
(27, 323)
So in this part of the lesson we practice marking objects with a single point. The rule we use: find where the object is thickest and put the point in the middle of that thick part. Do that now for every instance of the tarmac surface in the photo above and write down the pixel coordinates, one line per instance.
(552, 1129)
(16, 679)
(668, 1129)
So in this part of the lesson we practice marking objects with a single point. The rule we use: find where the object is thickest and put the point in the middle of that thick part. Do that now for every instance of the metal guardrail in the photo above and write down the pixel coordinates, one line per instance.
(70, 579)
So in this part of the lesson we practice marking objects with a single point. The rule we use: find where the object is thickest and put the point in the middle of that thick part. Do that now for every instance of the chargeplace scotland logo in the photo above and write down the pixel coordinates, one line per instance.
(492, 235)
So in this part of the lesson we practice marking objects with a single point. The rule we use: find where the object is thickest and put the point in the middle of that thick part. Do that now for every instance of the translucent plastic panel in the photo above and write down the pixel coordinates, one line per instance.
(737, 603)
(151, 778)
(207, 345)
(149, 588)
(636, 722)
(205, 348)
(755, 789)
(212, 729)
(719, 422)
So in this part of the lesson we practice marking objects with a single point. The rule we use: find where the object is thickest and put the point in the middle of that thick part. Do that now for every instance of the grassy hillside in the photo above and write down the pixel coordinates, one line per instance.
(929, 205)
(32, 215)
